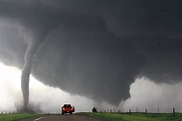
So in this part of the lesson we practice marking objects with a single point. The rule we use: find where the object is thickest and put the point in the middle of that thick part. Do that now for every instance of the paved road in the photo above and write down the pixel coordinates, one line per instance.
(62, 118)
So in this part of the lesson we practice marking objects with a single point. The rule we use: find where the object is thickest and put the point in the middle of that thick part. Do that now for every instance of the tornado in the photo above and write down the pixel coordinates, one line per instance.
(26, 71)
(34, 38)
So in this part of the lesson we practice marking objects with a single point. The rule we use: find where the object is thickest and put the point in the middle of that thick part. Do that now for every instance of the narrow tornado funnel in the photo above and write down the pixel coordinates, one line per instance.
(34, 38)
(25, 78)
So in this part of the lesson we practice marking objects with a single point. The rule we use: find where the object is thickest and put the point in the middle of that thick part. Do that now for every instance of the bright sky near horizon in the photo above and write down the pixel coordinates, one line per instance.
(43, 98)
(144, 94)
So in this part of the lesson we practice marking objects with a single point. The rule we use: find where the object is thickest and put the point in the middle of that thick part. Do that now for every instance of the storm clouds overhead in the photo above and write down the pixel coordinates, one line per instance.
(92, 48)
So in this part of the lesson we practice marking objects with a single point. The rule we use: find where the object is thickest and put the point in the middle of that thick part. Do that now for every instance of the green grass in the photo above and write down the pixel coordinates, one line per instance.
(16, 117)
(135, 116)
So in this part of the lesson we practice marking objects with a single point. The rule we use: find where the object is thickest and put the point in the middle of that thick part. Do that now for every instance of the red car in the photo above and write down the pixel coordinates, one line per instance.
(67, 108)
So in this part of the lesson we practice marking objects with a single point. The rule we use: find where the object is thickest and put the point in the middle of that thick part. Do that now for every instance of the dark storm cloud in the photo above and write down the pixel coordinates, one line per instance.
(94, 48)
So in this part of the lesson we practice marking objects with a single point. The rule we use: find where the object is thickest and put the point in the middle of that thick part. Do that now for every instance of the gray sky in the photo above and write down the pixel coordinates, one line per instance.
(93, 48)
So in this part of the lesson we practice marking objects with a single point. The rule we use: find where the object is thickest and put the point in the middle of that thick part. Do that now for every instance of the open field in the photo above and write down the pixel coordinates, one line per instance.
(102, 116)
(135, 116)
(16, 117)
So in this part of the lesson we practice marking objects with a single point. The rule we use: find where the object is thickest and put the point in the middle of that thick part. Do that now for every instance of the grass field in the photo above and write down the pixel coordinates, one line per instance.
(135, 116)
(15, 117)
(106, 116)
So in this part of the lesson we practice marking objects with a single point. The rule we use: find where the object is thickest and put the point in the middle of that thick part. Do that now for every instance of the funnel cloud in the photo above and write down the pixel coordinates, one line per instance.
(27, 67)
(92, 48)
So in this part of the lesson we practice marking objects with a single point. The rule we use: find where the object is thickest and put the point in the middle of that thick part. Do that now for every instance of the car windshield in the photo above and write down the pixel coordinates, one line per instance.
(67, 106)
